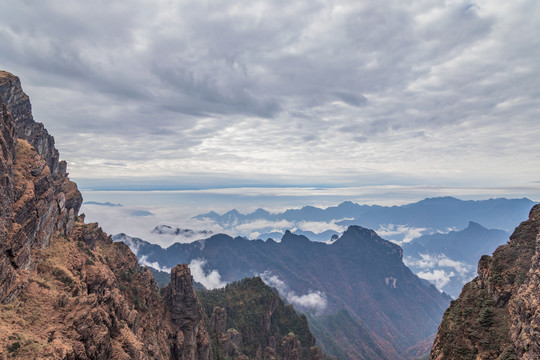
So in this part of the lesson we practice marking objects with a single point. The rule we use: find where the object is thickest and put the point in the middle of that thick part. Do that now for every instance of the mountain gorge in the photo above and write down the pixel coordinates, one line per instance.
(359, 273)
(67, 291)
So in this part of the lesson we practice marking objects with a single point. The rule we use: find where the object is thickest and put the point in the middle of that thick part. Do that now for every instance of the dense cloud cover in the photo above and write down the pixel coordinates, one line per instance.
(325, 92)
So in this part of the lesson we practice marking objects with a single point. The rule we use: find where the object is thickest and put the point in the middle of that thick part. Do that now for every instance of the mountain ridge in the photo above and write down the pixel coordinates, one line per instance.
(440, 213)
(359, 264)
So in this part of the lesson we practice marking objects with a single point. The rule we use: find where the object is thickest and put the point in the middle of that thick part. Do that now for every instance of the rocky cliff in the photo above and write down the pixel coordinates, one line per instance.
(66, 290)
(18, 104)
(36, 202)
(497, 314)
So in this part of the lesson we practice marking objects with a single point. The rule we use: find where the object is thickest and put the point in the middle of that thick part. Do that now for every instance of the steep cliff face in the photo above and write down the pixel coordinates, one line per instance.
(66, 290)
(35, 201)
(18, 104)
(8, 148)
(497, 314)
(187, 316)
(90, 299)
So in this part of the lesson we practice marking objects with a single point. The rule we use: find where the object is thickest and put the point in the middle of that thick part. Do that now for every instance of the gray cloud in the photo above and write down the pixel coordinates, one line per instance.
(422, 90)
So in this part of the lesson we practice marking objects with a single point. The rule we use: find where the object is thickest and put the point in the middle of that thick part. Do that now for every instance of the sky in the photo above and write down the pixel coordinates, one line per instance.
(196, 95)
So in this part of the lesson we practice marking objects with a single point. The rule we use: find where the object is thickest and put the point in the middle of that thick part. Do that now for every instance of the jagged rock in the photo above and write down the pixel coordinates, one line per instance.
(290, 347)
(497, 315)
(35, 201)
(231, 343)
(218, 320)
(79, 295)
(35, 133)
(8, 148)
(187, 315)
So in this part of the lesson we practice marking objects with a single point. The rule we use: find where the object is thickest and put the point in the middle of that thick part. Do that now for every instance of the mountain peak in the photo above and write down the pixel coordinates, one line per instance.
(359, 230)
(289, 238)
(474, 225)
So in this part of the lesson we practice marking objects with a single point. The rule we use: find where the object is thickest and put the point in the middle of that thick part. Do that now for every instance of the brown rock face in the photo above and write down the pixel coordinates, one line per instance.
(218, 321)
(35, 202)
(8, 148)
(231, 343)
(290, 347)
(497, 314)
(35, 133)
(524, 308)
(187, 315)
(66, 290)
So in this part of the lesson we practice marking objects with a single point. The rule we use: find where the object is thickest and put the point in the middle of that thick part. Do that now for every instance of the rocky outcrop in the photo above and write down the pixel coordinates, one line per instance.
(524, 309)
(67, 291)
(497, 314)
(231, 343)
(218, 320)
(260, 326)
(18, 104)
(35, 201)
(290, 347)
(8, 149)
(192, 340)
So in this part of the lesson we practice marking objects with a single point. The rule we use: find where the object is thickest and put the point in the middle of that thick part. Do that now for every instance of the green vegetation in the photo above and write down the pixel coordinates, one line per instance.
(62, 276)
(13, 347)
(162, 278)
(344, 337)
(486, 317)
(246, 302)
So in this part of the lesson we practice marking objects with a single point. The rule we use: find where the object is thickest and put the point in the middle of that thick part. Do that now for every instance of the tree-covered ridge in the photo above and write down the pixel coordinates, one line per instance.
(264, 321)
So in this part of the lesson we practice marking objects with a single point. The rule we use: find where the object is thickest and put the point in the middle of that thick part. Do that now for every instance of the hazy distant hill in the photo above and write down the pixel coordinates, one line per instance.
(360, 272)
(454, 255)
(442, 213)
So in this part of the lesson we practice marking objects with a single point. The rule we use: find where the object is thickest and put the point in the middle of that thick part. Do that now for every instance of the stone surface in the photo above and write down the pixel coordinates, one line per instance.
(66, 290)
(35, 204)
(218, 320)
(187, 315)
(35, 133)
(497, 314)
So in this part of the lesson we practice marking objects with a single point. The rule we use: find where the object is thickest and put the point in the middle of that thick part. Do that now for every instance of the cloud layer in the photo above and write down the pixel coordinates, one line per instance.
(313, 300)
(209, 279)
(440, 270)
(324, 92)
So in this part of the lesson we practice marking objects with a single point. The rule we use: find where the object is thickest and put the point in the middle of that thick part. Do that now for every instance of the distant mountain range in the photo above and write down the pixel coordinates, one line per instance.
(450, 259)
(442, 238)
(359, 272)
(430, 215)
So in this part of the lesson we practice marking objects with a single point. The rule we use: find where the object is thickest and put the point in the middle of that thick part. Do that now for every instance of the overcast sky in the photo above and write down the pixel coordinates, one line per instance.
(326, 93)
